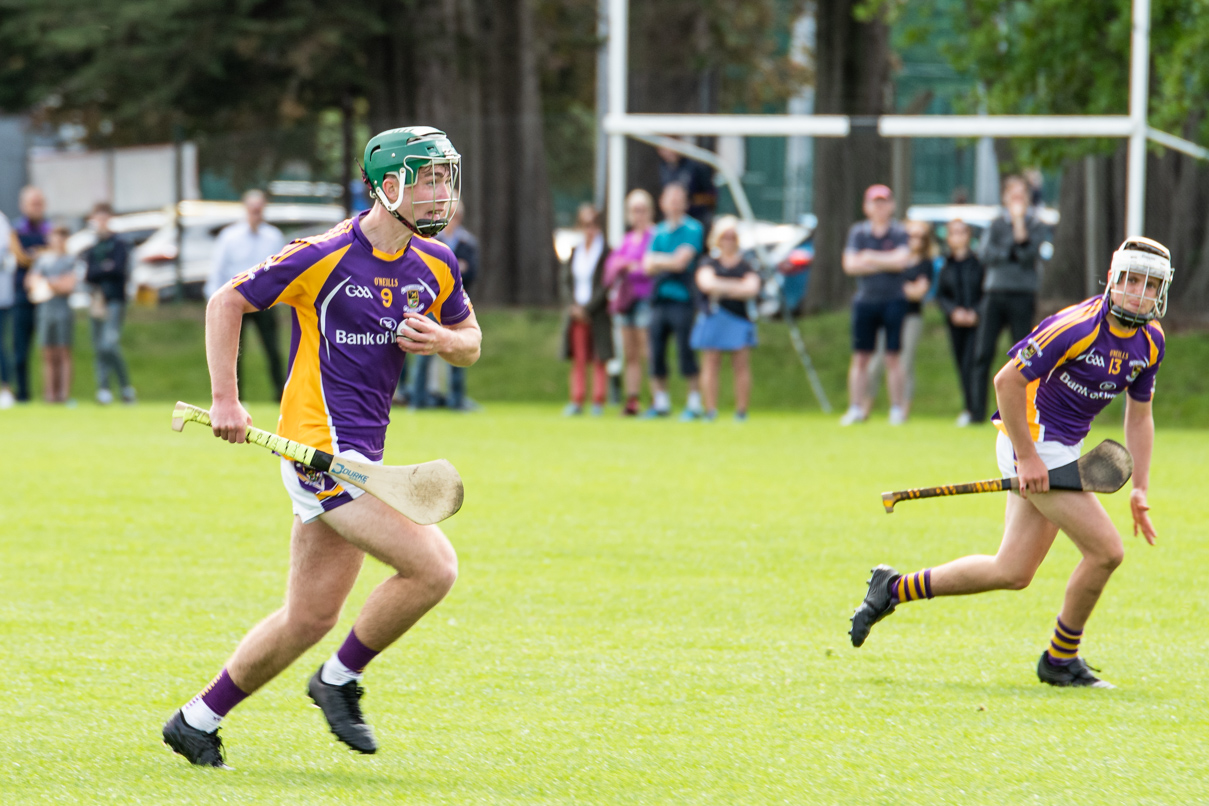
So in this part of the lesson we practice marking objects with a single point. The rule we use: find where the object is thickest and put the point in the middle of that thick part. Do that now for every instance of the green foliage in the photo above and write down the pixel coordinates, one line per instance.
(149, 66)
(646, 613)
(1070, 57)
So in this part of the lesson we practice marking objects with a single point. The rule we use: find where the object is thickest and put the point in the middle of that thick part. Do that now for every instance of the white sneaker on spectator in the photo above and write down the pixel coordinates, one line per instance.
(104, 397)
(853, 415)
(897, 416)
(6, 399)
(963, 419)
(129, 395)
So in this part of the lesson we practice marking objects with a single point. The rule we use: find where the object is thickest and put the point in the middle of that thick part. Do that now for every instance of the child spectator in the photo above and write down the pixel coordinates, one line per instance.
(108, 268)
(49, 283)
(727, 282)
(959, 293)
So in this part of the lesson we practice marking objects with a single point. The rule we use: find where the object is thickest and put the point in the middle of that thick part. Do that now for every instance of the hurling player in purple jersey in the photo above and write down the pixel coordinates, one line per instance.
(1060, 377)
(362, 295)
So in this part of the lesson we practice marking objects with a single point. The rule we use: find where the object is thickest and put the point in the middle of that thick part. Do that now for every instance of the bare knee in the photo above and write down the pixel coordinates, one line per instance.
(433, 570)
(1111, 559)
(310, 628)
(1016, 578)
(439, 575)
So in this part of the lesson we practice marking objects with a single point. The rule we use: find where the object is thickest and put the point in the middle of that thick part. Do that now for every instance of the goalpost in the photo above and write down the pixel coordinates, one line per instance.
(620, 124)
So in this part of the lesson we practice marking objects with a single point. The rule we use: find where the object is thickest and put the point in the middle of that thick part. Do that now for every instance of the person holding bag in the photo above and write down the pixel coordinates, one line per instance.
(630, 293)
(587, 331)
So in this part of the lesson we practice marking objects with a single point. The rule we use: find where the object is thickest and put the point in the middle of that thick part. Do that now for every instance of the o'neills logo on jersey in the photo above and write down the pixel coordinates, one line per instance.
(344, 337)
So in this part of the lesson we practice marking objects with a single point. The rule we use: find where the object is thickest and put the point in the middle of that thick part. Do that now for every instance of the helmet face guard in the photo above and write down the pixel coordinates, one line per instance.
(434, 193)
(1149, 259)
(415, 156)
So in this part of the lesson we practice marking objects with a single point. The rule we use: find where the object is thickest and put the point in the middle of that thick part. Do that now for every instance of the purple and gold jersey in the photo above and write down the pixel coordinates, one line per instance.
(1077, 362)
(348, 298)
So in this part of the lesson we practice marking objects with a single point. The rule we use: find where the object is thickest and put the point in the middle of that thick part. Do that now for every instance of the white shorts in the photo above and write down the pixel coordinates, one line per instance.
(312, 493)
(1054, 454)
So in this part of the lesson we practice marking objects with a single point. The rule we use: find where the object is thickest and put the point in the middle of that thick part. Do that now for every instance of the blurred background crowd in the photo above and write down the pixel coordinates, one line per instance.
(158, 158)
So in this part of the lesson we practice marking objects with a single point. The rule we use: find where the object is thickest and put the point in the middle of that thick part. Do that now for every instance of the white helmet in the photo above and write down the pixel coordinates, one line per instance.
(1146, 257)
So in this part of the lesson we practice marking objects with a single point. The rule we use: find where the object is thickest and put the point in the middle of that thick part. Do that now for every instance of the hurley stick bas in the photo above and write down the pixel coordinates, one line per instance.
(425, 493)
(1103, 469)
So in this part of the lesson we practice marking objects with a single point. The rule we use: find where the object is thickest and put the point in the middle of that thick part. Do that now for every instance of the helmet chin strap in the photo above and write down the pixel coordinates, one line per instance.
(405, 222)
(380, 196)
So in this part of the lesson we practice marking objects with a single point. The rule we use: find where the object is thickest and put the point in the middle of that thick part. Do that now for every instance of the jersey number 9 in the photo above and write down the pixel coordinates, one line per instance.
(387, 297)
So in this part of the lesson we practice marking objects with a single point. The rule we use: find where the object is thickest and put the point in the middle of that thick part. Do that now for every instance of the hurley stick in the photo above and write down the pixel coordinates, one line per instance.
(425, 493)
(1103, 469)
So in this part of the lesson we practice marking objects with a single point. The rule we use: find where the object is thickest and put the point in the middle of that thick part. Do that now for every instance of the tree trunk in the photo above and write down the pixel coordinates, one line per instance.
(853, 78)
(468, 67)
(667, 47)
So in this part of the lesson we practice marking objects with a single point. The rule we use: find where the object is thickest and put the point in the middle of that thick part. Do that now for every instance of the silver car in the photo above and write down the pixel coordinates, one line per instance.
(154, 238)
(155, 260)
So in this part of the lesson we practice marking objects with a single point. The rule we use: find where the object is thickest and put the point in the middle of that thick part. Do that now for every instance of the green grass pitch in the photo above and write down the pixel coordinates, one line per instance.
(647, 612)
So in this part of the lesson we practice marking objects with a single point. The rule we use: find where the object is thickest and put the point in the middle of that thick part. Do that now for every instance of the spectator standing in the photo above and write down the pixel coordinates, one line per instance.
(959, 292)
(630, 293)
(48, 285)
(877, 255)
(108, 267)
(8, 266)
(1012, 257)
(917, 281)
(588, 330)
(240, 247)
(671, 260)
(28, 239)
(466, 249)
(696, 178)
(727, 283)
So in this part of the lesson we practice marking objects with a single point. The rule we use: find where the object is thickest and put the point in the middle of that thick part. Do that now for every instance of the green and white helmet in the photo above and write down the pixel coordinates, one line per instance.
(405, 153)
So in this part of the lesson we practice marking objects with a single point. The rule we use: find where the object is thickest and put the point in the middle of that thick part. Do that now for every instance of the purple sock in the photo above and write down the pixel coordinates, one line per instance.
(222, 695)
(354, 654)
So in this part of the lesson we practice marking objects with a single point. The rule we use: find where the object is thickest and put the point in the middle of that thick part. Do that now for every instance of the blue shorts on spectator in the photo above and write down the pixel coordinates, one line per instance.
(722, 330)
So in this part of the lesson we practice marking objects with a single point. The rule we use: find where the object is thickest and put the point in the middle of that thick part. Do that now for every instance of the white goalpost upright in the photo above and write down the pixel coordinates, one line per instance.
(619, 123)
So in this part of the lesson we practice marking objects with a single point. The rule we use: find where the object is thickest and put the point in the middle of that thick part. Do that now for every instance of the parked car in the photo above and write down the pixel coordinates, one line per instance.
(154, 238)
(154, 270)
(978, 217)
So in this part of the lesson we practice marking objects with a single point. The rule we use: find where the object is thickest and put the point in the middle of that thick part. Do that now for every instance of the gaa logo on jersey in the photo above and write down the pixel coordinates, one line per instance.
(411, 297)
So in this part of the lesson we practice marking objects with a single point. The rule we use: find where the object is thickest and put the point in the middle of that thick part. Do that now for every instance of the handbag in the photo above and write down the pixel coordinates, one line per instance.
(622, 297)
(39, 289)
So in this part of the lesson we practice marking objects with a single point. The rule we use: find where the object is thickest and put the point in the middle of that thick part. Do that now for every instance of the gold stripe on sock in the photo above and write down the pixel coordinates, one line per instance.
(1062, 643)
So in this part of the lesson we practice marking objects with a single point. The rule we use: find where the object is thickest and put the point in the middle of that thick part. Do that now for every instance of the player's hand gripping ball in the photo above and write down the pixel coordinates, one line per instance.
(406, 332)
